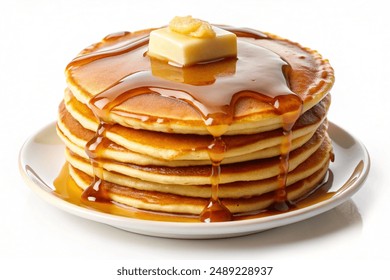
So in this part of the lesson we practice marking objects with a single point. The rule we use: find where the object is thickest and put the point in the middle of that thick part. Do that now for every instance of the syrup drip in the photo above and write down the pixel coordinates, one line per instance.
(215, 211)
(257, 73)
(282, 203)
(95, 192)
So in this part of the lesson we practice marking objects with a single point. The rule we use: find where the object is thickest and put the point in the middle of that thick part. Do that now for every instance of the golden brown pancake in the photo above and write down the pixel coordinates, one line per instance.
(239, 188)
(309, 76)
(199, 174)
(156, 148)
(177, 202)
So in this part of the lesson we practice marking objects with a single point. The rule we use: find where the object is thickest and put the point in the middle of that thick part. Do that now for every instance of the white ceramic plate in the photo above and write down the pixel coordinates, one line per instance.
(42, 157)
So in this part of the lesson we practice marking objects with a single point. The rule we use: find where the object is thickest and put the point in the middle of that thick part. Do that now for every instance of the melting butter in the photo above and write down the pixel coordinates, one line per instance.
(189, 42)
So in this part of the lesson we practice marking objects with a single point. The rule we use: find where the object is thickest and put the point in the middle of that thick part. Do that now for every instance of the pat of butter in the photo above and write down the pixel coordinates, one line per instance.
(185, 50)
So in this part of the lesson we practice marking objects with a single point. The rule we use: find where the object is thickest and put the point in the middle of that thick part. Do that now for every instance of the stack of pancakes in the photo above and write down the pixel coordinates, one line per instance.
(151, 150)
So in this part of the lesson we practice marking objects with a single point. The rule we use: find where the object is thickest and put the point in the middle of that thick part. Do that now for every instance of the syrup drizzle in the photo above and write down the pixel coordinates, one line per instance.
(95, 192)
(282, 202)
(215, 210)
(257, 73)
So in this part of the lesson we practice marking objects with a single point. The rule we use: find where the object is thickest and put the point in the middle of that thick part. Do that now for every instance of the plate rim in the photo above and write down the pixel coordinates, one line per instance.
(193, 230)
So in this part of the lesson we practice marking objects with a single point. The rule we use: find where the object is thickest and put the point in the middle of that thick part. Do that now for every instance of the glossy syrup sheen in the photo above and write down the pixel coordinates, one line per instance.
(211, 88)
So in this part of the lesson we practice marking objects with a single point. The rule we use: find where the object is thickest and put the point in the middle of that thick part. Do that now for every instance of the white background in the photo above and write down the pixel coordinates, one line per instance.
(37, 40)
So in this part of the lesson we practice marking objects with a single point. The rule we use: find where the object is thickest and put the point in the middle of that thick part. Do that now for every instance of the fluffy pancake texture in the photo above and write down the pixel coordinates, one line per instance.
(132, 124)
(310, 77)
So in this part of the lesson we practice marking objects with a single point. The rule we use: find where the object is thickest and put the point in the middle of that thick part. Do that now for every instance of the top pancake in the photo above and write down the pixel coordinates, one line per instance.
(114, 63)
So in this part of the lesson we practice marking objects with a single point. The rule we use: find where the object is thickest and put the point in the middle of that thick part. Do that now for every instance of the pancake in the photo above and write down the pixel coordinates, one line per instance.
(309, 76)
(121, 154)
(176, 203)
(154, 201)
(242, 188)
(227, 137)
(156, 148)
(199, 175)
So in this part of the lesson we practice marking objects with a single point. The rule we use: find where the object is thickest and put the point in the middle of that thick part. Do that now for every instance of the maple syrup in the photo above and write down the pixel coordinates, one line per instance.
(257, 73)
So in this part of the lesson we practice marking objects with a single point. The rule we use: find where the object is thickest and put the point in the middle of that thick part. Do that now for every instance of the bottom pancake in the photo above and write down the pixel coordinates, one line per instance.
(160, 201)
(164, 202)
